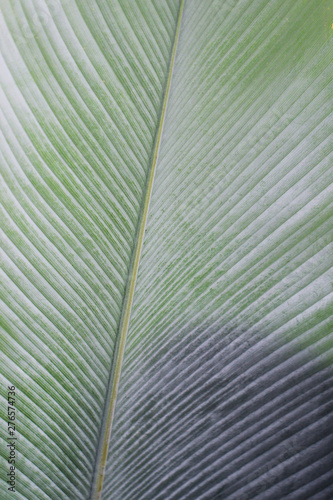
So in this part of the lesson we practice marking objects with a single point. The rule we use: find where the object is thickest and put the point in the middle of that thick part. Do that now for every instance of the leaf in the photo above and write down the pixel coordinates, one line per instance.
(82, 87)
(226, 378)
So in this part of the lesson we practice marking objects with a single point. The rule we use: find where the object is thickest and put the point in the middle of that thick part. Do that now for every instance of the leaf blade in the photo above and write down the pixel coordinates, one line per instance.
(234, 289)
(78, 126)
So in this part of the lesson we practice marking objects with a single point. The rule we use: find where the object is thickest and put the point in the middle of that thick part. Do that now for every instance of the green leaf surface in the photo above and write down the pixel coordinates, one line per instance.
(217, 115)
(82, 87)
(226, 387)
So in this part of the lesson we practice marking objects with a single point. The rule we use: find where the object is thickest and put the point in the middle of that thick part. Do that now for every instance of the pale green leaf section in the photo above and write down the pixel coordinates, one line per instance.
(226, 387)
(82, 85)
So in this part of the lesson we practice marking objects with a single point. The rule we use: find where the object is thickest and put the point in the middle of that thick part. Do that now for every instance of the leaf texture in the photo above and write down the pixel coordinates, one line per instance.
(226, 387)
(81, 91)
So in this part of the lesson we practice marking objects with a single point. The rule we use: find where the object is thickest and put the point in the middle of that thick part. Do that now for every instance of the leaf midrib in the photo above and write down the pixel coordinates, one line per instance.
(110, 403)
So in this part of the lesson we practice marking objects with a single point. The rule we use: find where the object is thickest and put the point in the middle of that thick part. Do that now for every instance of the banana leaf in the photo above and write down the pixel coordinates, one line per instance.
(166, 249)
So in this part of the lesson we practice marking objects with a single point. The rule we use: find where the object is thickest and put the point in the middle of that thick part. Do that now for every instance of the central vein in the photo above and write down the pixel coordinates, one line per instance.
(128, 300)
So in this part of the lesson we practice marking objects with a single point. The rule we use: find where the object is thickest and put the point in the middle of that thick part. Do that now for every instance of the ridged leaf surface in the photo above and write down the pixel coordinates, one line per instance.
(81, 91)
(226, 380)
(226, 388)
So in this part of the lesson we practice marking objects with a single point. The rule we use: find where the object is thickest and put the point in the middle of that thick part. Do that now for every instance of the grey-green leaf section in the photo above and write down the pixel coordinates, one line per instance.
(226, 381)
